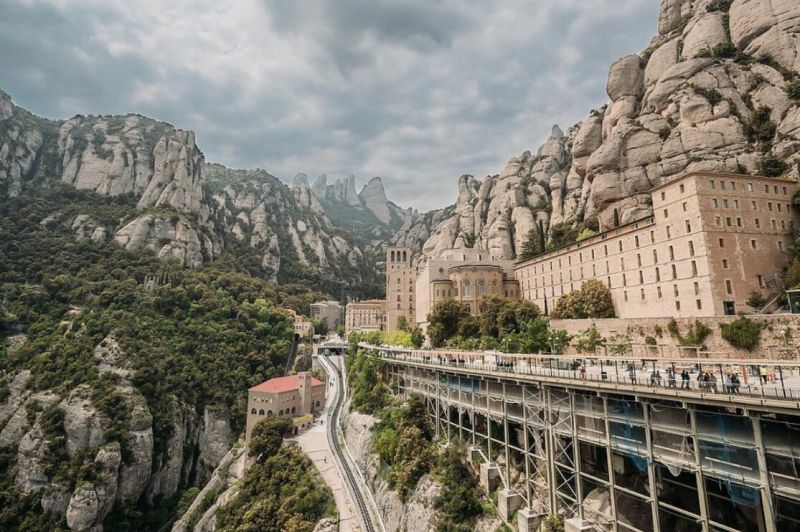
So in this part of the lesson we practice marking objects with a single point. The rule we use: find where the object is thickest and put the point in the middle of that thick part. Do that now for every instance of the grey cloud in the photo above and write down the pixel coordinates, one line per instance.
(418, 92)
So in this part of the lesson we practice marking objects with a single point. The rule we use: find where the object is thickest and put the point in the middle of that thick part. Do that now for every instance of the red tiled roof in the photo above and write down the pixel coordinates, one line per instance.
(282, 384)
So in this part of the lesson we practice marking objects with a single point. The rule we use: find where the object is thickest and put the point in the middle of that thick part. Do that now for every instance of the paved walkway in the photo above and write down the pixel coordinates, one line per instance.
(314, 443)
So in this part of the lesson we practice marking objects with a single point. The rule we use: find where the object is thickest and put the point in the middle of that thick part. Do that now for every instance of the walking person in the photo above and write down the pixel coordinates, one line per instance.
(670, 378)
(764, 374)
(684, 380)
(712, 382)
(727, 384)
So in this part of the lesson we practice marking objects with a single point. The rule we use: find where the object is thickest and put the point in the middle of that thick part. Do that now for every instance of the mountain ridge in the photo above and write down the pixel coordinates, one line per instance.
(718, 89)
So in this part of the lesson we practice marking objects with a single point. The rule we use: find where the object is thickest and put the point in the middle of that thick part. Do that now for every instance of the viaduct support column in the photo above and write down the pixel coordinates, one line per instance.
(766, 491)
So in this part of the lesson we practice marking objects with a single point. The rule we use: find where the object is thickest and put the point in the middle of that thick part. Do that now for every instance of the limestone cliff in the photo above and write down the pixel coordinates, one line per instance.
(184, 208)
(717, 89)
(124, 469)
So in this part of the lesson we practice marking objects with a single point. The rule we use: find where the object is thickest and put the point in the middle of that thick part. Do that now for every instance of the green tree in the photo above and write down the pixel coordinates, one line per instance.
(417, 338)
(490, 306)
(533, 338)
(592, 300)
(267, 436)
(457, 503)
(589, 340)
(559, 340)
(530, 247)
(742, 333)
(402, 323)
(756, 300)
(320, 327)
(619, 345)
(445, 320)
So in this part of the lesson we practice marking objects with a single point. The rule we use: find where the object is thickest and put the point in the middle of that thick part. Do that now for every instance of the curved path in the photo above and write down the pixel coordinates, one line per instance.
(361, 496)
(315, 442)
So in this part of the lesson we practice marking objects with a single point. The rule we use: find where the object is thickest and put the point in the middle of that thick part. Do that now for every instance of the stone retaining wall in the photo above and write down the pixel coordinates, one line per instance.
(771, 346)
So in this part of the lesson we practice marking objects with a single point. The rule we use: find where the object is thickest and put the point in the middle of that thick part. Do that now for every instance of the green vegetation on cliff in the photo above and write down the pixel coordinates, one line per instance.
(404, 440)
(281, 491)
(190, 339)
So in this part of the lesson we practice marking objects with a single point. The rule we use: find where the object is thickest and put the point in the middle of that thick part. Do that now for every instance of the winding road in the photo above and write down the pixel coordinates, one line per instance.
(365, 507)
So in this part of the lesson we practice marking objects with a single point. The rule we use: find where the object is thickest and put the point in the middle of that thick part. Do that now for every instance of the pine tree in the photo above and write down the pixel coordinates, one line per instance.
(529, 247)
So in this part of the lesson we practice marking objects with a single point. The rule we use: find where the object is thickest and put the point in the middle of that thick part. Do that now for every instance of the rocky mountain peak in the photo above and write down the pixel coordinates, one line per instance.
(320, 186)
(373, 197)
(6, 106)
(300, 180)
(716, 90)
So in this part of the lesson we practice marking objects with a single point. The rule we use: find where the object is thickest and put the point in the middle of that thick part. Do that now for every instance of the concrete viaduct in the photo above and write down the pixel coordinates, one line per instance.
(614, 444)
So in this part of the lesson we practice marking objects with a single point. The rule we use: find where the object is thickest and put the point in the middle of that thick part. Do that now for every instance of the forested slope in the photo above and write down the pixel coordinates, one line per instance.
(123, 376)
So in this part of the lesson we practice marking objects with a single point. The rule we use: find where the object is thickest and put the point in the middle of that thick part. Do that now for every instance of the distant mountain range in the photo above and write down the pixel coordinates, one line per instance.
(192, 211)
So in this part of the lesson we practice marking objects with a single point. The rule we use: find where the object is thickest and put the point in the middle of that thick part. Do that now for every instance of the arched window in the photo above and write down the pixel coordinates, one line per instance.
(392, 254)
(260, 412)
(269, 412)
(317, 403)
(293, 410)
(280, 412)
(253, 411)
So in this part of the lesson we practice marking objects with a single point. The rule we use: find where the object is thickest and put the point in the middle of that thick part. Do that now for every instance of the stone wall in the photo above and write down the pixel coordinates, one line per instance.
(771, 346)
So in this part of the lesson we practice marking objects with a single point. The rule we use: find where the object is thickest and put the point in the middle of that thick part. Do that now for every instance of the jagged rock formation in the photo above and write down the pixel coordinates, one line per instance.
(223, 482)
(368, 213)
(195, 447)
(284, 225)
(185, 209)
(717, 89)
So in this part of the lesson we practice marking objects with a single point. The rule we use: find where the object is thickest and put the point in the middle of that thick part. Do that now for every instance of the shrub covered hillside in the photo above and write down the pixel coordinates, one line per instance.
(404, 441)
(123, 378)
(282, 490)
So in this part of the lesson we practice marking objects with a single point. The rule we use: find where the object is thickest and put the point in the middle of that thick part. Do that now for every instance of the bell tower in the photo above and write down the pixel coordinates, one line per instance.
(400, 287)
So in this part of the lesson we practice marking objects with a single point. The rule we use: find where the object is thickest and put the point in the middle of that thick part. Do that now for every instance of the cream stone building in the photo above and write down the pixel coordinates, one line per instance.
(466, 275)
(328, 311)
(292, 396)
(363, 316)
(712, 241)
(303, 328)
(400, 283)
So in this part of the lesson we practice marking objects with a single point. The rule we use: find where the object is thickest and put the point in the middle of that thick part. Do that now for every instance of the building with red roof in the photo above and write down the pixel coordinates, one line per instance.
(292, 396)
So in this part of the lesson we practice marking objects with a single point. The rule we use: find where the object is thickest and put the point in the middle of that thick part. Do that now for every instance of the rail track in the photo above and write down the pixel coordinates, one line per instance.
(336, 446)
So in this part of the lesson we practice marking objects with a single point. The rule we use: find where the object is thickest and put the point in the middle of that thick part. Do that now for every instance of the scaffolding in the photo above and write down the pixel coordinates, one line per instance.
(622, 461)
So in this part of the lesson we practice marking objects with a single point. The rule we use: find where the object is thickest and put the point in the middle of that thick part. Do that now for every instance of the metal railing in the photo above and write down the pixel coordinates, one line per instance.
(754, 378)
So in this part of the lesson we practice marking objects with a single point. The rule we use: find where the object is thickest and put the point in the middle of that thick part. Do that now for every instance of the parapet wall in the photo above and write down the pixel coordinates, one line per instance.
(772, 345)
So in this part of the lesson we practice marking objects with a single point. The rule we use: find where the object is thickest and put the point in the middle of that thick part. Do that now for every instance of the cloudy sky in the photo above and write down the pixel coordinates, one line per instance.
(416, 91)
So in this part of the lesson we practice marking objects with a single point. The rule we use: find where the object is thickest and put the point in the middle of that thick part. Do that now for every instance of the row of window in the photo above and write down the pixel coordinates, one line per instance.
(658, 279)
(261, 412)
(750, 187)
(591, 253)
(398, 256)
(639, 264)
(756, 223)
(734, 204)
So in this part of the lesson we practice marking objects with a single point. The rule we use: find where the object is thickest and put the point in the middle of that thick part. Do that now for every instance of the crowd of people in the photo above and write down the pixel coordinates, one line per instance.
(706, 381)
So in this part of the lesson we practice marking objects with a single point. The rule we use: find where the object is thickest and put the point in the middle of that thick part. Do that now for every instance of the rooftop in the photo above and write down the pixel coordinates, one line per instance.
(282, 384)
(727, 175)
